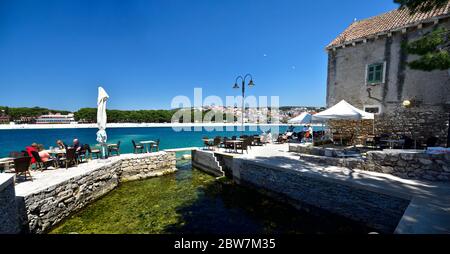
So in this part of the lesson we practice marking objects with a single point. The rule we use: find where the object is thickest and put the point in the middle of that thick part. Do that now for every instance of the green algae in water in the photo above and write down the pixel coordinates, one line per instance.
(191, 201)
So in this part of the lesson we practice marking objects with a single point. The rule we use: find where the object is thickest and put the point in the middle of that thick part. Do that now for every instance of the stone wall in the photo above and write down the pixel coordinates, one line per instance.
(430, 167)
(410, 164)
(8, 209)
(44, 209)
(378, 211)
(40, 210)
(135, 167)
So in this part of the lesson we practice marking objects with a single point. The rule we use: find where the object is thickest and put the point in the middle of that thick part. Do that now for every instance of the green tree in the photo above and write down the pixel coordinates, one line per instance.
(433, 47)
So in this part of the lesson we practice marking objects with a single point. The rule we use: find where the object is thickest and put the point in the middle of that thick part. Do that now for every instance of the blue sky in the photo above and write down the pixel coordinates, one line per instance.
(55, 53)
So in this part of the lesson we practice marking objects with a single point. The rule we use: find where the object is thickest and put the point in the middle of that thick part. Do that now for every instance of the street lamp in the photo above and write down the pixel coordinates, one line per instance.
(236, 86)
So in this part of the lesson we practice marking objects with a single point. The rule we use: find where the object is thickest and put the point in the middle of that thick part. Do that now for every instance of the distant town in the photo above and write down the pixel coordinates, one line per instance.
(37, 115)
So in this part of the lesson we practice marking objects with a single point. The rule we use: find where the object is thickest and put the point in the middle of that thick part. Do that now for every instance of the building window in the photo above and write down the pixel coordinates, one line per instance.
(372, 109)
(375, 73)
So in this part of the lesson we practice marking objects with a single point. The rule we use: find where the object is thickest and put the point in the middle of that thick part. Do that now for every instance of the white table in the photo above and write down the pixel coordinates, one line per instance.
(147, 144)
(6, 162)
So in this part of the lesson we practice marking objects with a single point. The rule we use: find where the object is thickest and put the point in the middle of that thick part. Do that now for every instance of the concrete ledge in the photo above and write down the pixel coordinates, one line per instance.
(9, 223)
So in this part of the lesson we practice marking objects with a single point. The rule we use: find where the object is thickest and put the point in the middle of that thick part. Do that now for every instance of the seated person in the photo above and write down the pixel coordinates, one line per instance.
(60, 144)
(45, 156)
(29, 149)
(77, 145)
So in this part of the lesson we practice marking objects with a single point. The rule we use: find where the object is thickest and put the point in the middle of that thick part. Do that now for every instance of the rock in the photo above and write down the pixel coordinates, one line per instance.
(426, 161)
(387, 170)
(407, 156)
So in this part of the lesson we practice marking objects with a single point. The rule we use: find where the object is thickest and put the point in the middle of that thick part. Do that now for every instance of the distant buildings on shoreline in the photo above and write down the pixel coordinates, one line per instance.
(252, 115)
(55, 119)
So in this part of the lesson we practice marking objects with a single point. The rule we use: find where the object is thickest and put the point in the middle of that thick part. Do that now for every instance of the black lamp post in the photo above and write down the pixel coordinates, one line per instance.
(236, 86)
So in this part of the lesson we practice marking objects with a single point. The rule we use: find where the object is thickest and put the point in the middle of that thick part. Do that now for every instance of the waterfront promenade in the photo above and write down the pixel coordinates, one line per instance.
(428, 209)
(55, 194)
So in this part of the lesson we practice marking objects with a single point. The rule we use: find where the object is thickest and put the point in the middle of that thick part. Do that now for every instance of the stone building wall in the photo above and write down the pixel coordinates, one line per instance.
(428, 91)
(8, 208)
(40, 210)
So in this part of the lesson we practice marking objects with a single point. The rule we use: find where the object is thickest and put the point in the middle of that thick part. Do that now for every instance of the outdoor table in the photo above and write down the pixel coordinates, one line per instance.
(147, 144)
(6, 163)
(234, 142)
(55, 151)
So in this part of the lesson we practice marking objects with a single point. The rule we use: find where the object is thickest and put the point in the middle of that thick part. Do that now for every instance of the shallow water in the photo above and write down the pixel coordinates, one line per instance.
(191, 201)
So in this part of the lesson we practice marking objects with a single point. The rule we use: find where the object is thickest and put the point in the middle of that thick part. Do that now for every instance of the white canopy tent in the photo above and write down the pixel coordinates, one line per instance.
(303, 118)
(343, 111)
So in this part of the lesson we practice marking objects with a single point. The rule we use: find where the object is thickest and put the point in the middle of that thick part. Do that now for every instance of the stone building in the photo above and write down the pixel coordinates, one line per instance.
(4, 118)
(367, 66)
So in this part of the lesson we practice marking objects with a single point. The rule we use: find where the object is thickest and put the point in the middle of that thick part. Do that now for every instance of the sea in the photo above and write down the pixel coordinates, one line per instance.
(18, 139)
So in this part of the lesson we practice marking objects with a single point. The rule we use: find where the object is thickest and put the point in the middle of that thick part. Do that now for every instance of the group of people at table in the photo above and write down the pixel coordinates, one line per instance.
(45, 154)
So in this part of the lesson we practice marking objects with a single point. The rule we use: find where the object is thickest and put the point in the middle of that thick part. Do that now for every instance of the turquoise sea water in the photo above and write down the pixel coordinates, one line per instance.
(17, 140)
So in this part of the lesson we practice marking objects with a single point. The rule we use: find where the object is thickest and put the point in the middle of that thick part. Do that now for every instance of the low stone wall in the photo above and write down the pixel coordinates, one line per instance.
(134, 167)
(351, 163)
(431, 167)
(403, 163)
(312, 150)
(40, 210)
(44, 209)
(378, 211)
(8, 209)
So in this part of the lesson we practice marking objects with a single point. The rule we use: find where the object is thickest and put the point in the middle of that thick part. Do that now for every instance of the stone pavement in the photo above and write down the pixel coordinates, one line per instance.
(429, 208)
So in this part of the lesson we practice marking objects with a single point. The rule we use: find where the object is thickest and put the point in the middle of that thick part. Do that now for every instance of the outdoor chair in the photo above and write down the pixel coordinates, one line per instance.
(22, 166)
(137, 148)
(114, 149)
(82, 153)
(227, 145)
(244, 145)
(217, 141)
(91, 152)
(41, 164)
(70, 157)
(155, 145)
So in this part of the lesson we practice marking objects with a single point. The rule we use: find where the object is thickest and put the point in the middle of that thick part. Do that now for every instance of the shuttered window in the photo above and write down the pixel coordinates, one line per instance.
(375, 73)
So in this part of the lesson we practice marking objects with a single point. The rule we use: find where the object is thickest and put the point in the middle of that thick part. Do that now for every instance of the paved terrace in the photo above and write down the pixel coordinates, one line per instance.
(428, 211)
(51, 177)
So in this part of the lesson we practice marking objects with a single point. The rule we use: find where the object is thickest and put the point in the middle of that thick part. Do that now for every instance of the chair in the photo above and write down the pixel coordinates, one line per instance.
(217, 141)
(41, 164)
(82, 153)
(70, 158)
(244, 145)
(115, 149)
(22, 166)
(137, 148)
(155, 145)
(91, 152)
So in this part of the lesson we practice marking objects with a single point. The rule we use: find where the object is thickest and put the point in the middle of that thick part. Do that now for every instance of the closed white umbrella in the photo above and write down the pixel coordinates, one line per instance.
(102, 119)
